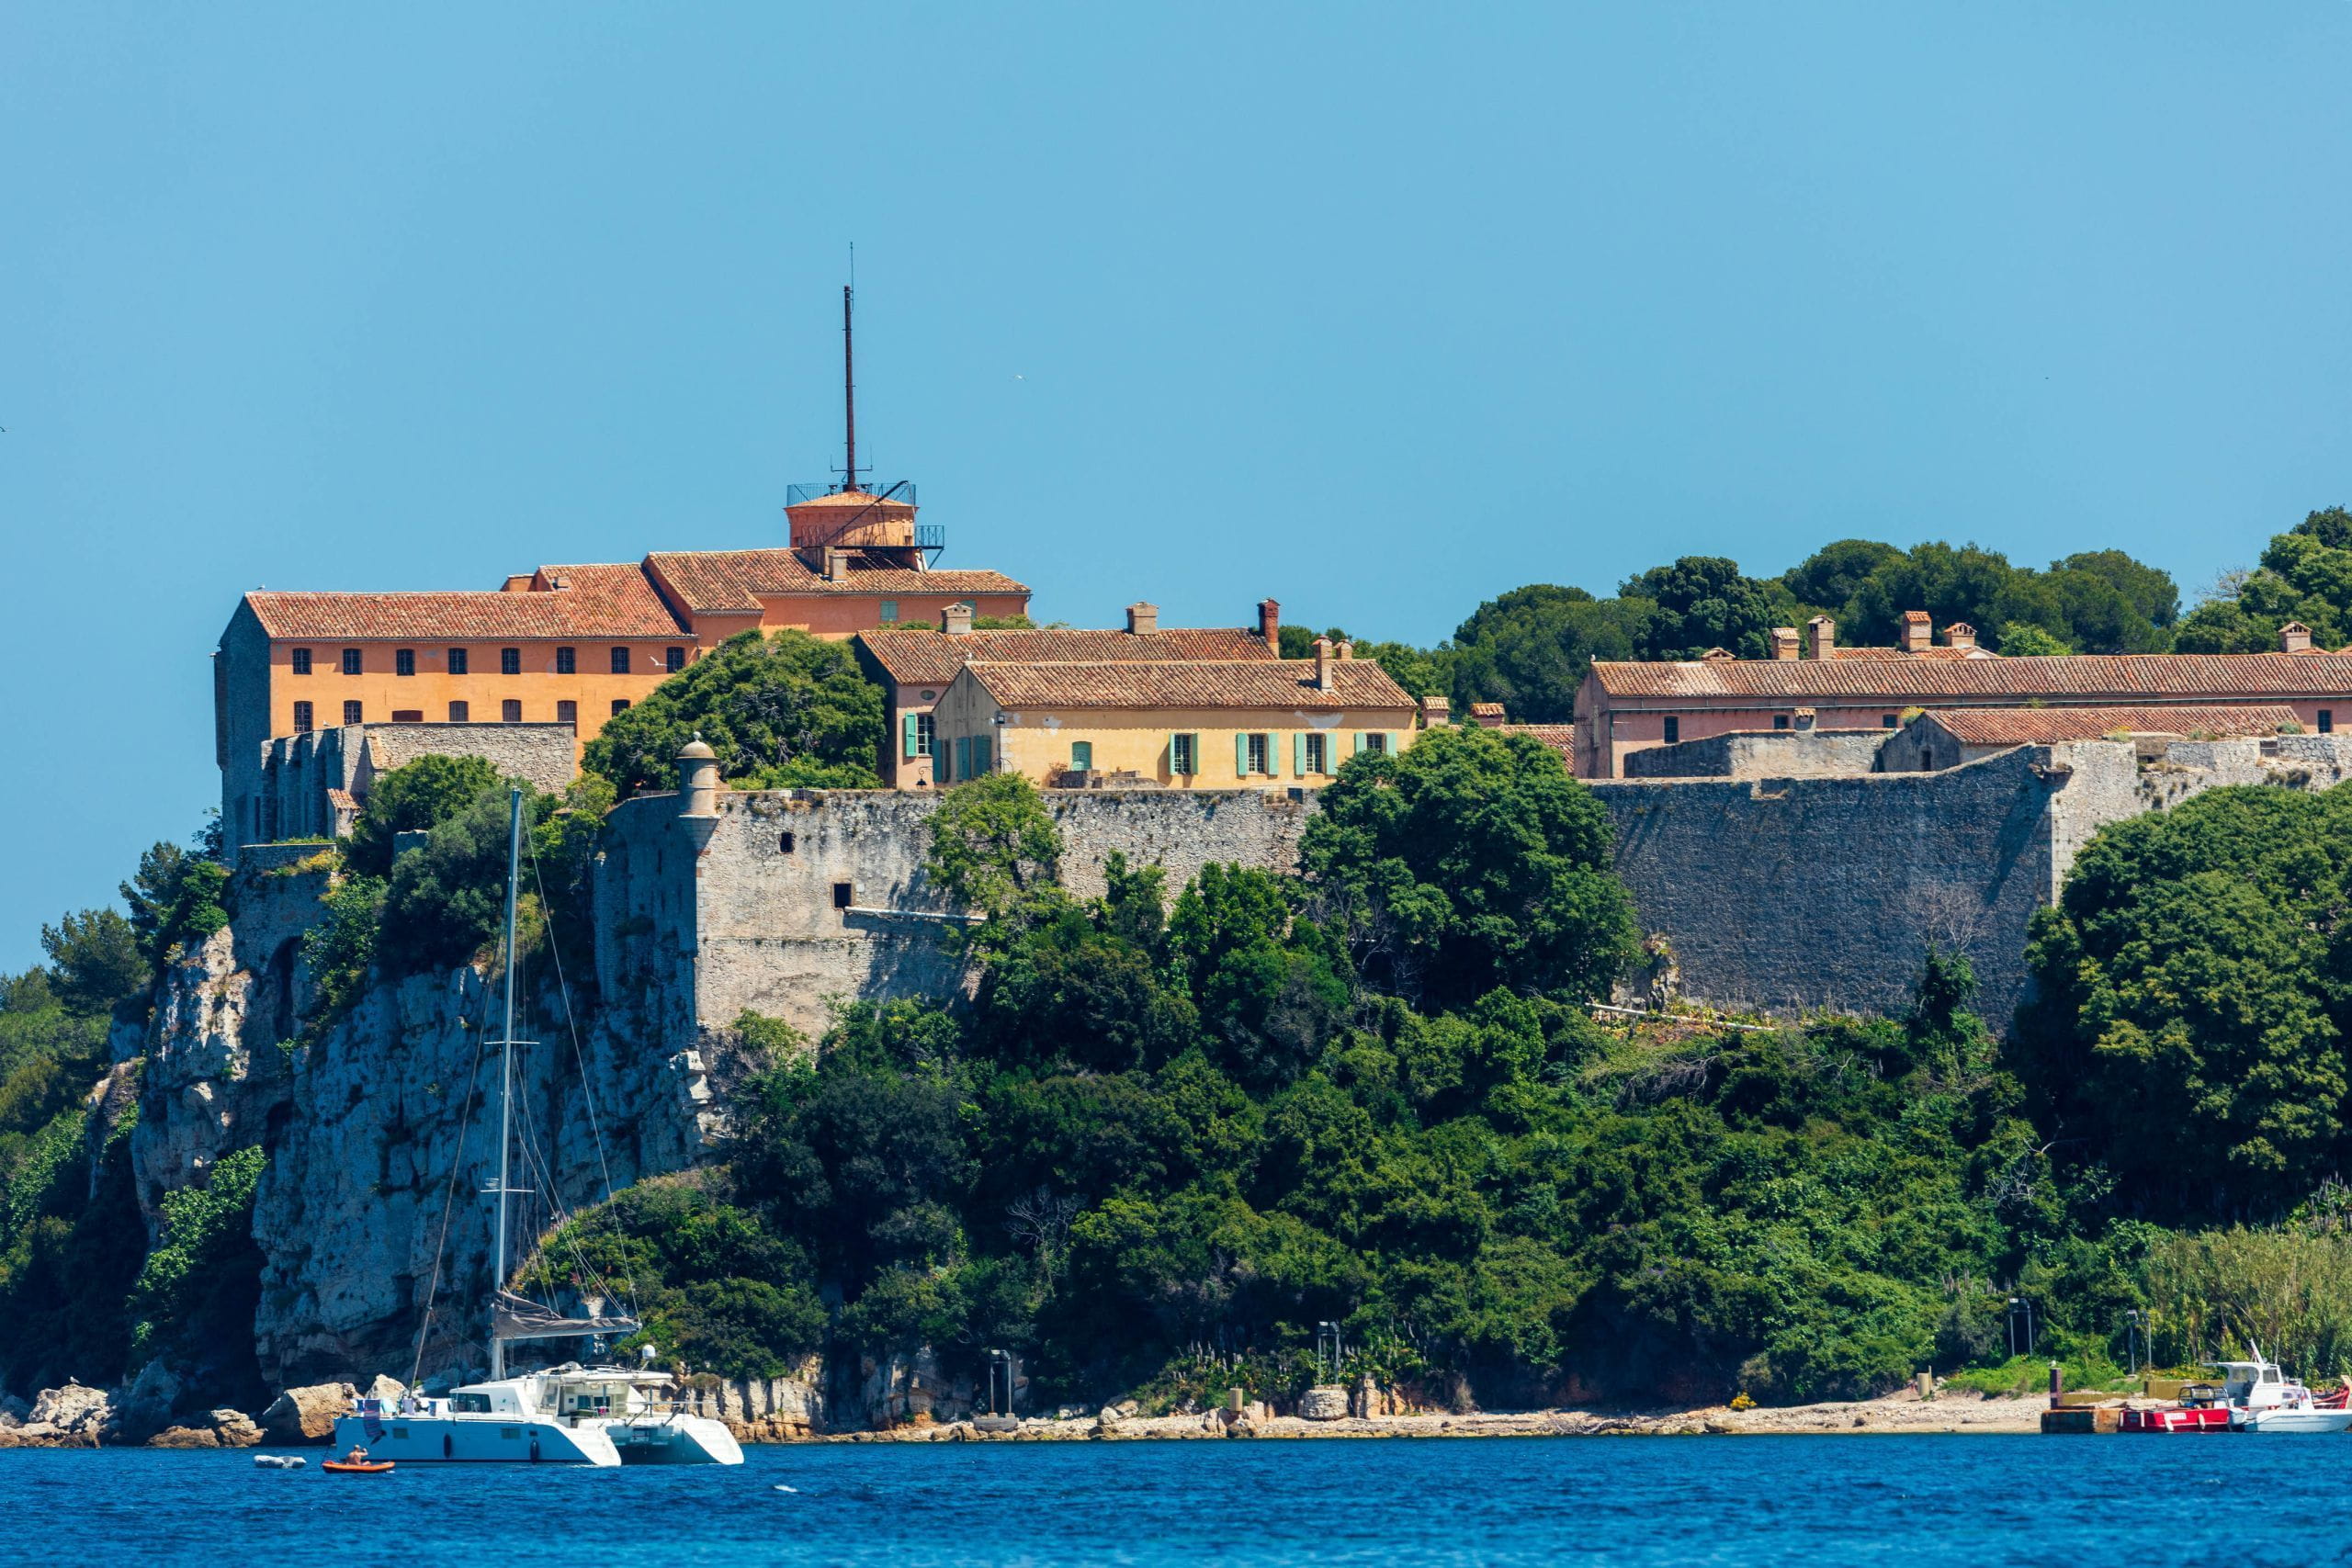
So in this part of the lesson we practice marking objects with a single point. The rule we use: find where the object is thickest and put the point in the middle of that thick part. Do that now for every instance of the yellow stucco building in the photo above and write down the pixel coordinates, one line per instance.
(1195, 724)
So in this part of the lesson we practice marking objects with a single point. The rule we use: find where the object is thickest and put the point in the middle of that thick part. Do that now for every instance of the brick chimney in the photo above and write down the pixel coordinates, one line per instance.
(1269, 623)
(1959, 634)
(2294, 637)
(956, 620)
(1918, 634)
(1323, 663)
(1784, 642)
(1823, 633)
(836, 563)
(1434, 711)
(1345, 650)
(1142, 618)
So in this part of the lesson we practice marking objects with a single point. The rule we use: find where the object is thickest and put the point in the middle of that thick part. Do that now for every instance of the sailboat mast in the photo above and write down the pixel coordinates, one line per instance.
(505, 1079)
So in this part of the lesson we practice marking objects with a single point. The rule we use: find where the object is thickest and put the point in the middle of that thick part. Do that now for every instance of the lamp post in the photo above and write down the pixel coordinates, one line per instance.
(1322, 1328)
(2015, 1303)
(999, 1359)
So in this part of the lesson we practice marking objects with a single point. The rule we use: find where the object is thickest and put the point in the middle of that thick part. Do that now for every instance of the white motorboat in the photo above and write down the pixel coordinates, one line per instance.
(2261, 1398)
(564, 1415)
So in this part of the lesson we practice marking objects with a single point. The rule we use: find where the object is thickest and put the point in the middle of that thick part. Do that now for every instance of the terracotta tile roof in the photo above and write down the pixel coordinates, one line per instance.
(1923, 653)
(925, 657)
(1486, 710)
(603, 602)
(1560, 738)
(2030, 727)
(1926, 681)
(1191, 683)
(710, 581)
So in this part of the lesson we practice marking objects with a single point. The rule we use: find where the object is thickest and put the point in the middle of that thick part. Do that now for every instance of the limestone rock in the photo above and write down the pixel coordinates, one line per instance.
(234, 1428)
(389, 1390)
(307, 1414)
(72, 1412)
(12, 1411)
(145, 1408)
(1325, 1403)
(185, 1437)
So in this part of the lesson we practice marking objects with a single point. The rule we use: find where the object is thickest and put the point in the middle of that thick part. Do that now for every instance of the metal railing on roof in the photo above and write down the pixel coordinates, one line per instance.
(795, 494)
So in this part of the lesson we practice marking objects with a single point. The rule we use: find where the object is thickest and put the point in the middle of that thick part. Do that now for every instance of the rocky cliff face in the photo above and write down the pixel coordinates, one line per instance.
(383, 1134)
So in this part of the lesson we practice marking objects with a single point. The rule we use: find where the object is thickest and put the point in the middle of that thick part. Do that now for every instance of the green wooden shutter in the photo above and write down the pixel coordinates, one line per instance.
(1359, 743)
(1298, 754)
(980, 758)
(1175, 757)
(907, 748)
(1241, 756)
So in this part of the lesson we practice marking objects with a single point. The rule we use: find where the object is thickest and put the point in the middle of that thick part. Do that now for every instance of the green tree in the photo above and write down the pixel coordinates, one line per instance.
(1470, 860)
(94, 961)
(1832, 575)
(1265, 981)
(175, 899)
(416, 798)
(1529, 649)
(993, 843)
(2021, 640)
(1703, 601)
(2194, 973)
(783, 711)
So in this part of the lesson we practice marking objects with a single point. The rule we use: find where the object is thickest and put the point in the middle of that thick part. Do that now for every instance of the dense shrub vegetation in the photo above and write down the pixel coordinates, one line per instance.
(1529, 647)
(781, 711)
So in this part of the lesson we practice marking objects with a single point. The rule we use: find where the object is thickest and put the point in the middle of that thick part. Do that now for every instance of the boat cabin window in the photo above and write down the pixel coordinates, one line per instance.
(473, 1404)
(2269, 1374)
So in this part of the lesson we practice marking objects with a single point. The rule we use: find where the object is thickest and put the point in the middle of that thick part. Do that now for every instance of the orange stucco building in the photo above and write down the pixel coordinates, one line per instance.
(565, 643)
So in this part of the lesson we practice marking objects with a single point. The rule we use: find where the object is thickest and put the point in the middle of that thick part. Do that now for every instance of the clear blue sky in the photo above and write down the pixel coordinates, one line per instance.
(1379, 309)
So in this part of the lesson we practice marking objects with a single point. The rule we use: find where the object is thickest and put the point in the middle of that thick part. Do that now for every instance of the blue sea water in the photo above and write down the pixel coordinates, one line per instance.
(1750, 1501)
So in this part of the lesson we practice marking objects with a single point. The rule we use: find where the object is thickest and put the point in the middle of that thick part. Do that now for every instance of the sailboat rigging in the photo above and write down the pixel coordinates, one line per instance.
(566, 1414)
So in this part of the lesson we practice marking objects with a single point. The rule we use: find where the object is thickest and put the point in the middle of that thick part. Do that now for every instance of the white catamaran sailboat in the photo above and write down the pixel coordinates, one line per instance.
(565, 1415)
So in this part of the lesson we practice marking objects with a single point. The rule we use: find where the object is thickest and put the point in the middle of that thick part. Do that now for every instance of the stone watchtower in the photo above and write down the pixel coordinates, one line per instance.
(698, 791)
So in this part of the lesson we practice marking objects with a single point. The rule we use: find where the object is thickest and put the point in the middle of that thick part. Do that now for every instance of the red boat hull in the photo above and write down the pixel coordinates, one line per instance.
(2207, 1419)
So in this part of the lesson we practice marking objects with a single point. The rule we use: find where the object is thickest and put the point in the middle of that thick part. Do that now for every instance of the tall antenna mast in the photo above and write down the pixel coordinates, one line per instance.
(849, 388)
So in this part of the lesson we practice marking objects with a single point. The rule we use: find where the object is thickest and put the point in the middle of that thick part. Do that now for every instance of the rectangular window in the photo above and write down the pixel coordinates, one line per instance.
(408, 716)
(924, 734)
(1183, 755)
(1377, 740)
(620, 704)
(510, 661)
(301, 718)
(2327, 721)
(460, 712)
(403, 661)
(457, 661)
(568, 712)
(567, 661)
(620, 661)
(1314, 754)
(1780, 721)
(844, 895)
(1886, 721)
(300, 659)
(350, 662)
(889, 610)
(1081, 756)
(962, 756)
(510, 711)
(1255, 754)
(1673, 730)
(673, 659)
(351, 713)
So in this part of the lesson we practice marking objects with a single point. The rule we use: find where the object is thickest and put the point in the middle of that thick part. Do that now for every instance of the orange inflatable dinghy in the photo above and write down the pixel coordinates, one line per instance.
(341, 1467)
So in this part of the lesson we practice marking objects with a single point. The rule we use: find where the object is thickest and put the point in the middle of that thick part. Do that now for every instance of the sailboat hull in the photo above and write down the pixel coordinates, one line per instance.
(674, 1439)
(475, 1439)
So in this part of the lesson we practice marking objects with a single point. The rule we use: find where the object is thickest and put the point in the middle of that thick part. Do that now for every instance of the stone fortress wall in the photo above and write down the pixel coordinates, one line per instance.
(781, 901)
(1817, 889)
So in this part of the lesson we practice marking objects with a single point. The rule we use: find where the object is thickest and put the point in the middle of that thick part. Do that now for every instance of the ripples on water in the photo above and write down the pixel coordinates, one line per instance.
(1915, 1500)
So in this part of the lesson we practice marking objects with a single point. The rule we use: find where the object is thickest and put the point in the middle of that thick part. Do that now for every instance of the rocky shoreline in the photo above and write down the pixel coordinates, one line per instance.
(78, 1417)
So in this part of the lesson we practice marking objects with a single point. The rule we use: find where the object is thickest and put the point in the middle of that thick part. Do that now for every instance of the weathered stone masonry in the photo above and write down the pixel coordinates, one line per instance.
(781, 901)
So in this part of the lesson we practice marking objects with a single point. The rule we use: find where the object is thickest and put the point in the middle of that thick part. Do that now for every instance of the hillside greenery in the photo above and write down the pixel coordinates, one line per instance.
(783, 710)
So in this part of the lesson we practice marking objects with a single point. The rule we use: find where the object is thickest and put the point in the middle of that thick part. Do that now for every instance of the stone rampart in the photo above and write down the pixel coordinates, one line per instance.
(1765, 754)
(784, 901)
(1787, 895)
